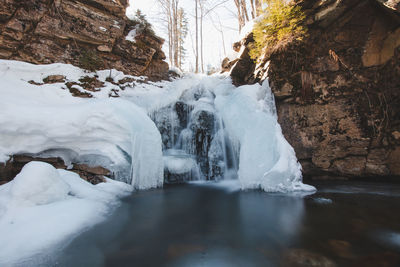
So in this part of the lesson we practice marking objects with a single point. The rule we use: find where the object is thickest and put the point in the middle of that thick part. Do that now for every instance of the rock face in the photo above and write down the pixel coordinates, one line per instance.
(75, 32)
(92, 174)
(338, 92)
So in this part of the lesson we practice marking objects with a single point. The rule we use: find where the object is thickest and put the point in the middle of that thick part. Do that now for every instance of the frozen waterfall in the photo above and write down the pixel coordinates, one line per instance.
(215, 131)
(194, 128)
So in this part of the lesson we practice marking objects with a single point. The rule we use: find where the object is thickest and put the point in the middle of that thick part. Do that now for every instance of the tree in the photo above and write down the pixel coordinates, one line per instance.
(143, 25)
(242, 15)
(255, 8)
(196, 8)
(182, 33)
(174, 16)
(205, 7)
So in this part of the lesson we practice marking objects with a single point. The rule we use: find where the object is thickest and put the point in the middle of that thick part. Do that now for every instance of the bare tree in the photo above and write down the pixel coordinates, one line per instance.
(173, 15)
(197, 35)
(255, 8)
(205, 8)
(242, 14)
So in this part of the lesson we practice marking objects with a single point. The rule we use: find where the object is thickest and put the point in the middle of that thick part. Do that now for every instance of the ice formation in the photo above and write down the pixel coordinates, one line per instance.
(231, 132)
(267, 160)
(220, 131)
(48, 121)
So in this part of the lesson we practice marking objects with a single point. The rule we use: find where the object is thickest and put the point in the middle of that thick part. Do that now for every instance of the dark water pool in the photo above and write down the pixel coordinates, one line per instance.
(197, 225)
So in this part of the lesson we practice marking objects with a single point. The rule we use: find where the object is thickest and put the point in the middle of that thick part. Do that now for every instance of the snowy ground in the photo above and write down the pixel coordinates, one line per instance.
(43, 208)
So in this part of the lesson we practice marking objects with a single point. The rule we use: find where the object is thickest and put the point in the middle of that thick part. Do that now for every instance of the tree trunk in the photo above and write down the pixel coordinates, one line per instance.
(244, 10)
(240, 16)
(253, 10)
(197, 36)
(201, 38)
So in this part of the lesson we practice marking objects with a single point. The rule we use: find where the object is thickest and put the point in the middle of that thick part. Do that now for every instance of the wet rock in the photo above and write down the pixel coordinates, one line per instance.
(341, 248)
(92, 174)
(388, 259)
(54, 79)
(305, 258)
(183, 110)
(97, 170)
(394, 161)
(90, 83)
(202, 125)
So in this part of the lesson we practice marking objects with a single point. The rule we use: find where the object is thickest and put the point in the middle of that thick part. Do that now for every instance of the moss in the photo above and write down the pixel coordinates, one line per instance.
(280, 24)
(90, 60)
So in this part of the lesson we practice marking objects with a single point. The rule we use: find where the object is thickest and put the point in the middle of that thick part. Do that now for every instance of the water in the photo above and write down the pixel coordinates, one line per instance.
(205, 225)
(192, 125)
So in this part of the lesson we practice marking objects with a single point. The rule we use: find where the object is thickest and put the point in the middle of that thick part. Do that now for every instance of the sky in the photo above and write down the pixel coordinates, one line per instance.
(213, 45)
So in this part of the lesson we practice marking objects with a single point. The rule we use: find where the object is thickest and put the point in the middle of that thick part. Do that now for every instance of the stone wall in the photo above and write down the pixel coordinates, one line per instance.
(48, 31)
(338, 92)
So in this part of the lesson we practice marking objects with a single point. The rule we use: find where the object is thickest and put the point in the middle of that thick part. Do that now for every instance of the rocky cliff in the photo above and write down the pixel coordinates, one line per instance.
(80, 33)
(338, 91)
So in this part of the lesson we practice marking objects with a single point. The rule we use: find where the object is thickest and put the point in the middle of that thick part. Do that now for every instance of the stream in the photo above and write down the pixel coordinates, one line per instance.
(210, 224)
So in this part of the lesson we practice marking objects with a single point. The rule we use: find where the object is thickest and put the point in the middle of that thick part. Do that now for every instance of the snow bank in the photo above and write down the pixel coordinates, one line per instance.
(37, 184)
(267, 161)
(113, 133)
(43, 209)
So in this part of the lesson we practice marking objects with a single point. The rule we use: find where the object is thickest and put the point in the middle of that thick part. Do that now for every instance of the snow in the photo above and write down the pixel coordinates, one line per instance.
(248, 28)
(37, 184)
(267, 161)
(118, 133)
(178, 162)
(131, 36)
(113, 133)
(176, 70)
(43, 209)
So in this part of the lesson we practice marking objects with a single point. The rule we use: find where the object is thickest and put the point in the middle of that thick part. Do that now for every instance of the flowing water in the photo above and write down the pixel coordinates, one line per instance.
(218, 225)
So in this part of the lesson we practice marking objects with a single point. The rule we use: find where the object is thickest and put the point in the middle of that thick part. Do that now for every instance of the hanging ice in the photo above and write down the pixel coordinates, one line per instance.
(46, 120)
(219, 129)
(267, 160)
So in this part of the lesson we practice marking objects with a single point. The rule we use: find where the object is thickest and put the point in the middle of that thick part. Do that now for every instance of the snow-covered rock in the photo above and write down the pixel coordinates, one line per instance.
(108, 132)
(38, 183)
(42, 209)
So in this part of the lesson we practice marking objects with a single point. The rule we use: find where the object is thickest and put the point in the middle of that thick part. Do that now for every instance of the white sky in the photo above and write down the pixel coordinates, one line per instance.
(213, 45)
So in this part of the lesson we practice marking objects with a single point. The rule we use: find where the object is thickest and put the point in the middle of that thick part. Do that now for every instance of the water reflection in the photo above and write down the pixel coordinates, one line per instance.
(208, 225)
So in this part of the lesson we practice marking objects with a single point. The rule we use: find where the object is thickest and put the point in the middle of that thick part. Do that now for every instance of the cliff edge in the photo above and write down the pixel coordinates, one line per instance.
(79, 32)
(338, 91)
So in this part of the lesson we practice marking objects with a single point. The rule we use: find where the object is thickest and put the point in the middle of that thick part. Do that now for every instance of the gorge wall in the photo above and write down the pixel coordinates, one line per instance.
(338, 91)
(73, 31)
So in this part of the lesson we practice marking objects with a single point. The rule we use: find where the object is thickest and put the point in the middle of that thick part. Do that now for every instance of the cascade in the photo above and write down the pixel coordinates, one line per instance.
(195, 143)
